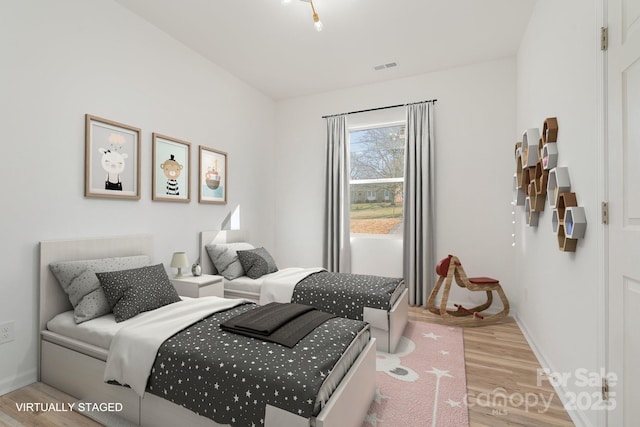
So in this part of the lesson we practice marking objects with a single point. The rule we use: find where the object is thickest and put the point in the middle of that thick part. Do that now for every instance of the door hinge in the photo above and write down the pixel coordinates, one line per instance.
(604, 38)
(605, 389)
(605, 213)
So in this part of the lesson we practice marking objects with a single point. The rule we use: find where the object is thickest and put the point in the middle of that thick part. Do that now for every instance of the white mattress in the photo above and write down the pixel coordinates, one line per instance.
(245, 284)
(98, 332)
(396, 294)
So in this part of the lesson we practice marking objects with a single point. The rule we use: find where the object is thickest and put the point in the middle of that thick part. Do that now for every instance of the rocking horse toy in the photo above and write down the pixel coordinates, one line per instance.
(449, 269)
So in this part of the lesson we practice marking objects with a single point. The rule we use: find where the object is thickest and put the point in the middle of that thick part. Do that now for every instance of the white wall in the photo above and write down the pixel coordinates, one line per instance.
(474, 120)
(557, 76)
(66, 58)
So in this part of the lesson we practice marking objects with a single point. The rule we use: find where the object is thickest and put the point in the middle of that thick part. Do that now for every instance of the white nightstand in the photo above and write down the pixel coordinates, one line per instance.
(205, 285)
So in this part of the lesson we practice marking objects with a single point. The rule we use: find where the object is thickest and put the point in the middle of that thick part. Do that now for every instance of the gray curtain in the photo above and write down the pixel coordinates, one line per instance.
(337, 251)
(419, 203)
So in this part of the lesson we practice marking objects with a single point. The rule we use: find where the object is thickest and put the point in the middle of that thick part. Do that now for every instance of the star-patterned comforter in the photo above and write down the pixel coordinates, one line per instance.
(231, 378)
(346, 295)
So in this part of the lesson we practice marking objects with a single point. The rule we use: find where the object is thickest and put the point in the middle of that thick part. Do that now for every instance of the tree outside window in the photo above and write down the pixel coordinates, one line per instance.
(377, 179)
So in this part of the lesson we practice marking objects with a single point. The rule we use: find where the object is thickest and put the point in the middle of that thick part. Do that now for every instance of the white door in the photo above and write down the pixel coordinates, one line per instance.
(624, 210)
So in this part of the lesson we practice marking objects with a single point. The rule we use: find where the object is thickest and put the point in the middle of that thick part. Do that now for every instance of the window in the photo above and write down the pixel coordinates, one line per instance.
(377, 179)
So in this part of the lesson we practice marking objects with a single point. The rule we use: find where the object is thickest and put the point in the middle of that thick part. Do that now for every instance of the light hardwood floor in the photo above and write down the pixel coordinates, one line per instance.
(502, 374)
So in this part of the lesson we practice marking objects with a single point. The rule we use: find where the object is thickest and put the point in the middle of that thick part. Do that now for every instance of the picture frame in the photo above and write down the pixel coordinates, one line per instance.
(171, 169)
(112, 159)
(212, 177)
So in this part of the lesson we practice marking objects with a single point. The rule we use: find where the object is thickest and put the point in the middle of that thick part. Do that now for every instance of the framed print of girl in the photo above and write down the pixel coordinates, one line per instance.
(112, 159)
(171, 170)
(213, 176)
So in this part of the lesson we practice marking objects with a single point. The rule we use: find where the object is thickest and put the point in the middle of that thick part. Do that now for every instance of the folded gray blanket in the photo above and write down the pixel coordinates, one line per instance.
(282, 323)
(268, 318)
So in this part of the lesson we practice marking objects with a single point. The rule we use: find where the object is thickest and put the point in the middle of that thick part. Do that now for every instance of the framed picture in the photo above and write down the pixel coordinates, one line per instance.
(112, 159)
(213, 176)
(171, 170)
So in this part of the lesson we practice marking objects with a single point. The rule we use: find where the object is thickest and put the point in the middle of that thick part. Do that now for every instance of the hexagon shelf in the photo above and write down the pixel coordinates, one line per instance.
(538, 189)
(565, 242)
(575, 222)
(550, 130)
(549, 155)
(530, 216)
(526, 180)
(518, 192)
(558, 183)
(530, 147)
(519, 182)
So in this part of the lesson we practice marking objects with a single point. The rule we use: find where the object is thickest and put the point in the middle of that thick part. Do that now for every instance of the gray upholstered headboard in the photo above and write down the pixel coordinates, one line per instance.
(217, 236)
(53, 299)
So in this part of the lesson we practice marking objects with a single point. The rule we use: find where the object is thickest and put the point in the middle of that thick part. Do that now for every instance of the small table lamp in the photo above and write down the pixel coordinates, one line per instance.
(179, 261)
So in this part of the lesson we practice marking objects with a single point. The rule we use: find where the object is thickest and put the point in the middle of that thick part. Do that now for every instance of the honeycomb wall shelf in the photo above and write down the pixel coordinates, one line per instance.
(538, 178)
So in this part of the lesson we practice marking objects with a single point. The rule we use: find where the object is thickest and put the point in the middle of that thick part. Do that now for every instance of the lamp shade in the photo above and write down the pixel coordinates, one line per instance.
(179, 261)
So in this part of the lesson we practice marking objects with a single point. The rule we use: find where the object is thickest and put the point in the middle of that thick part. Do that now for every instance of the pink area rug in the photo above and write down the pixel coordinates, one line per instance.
(423, 384)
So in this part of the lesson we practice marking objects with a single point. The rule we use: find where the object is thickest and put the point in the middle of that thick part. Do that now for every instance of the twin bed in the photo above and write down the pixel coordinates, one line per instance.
(74, 357)
(381, 302)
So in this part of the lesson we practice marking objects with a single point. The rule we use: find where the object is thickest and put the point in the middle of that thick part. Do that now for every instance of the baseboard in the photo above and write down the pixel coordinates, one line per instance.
(18, 381)
(577, 417)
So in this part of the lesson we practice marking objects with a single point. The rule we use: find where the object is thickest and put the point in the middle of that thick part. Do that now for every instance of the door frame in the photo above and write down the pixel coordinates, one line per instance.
(602, 78)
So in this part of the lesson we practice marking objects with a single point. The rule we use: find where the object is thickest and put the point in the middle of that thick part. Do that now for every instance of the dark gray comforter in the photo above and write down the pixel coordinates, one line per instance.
(344, 294)
(230, 378)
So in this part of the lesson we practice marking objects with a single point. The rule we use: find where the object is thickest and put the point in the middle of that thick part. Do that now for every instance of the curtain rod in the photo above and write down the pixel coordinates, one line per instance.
(379, 108)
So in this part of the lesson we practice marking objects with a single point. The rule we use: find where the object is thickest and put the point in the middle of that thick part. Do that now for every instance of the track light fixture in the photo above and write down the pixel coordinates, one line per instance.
(317, 23)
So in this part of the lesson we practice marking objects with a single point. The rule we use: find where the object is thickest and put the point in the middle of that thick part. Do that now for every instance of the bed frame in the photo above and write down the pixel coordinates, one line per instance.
(387, 326)
(77, 368)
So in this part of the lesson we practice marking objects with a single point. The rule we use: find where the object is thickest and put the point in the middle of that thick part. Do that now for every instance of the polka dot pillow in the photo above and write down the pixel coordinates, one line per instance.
(257, 262)
(135, 291)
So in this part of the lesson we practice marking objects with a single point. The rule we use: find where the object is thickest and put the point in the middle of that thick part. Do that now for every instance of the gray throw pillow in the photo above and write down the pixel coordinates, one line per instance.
(79, 281)
(224, 256)
(134, 291)
(257, 262)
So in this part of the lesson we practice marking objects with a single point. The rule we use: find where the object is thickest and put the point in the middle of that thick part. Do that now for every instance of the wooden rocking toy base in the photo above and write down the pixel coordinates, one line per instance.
(460, 316)
(470, 316)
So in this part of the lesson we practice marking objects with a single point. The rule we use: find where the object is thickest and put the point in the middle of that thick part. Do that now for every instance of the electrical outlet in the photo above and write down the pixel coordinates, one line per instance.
(6, 332)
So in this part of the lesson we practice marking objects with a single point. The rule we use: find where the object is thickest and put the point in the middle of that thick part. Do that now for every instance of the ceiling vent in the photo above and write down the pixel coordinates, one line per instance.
(385, 66)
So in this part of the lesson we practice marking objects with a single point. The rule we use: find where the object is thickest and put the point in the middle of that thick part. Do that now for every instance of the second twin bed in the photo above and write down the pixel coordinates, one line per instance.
(380, 301)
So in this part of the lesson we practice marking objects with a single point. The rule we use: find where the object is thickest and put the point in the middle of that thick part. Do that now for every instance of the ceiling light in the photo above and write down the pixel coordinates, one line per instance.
(317, 23)
(316, 19)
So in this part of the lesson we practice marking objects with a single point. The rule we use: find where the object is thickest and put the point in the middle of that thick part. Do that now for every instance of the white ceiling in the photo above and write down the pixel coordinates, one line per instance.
(275, 48)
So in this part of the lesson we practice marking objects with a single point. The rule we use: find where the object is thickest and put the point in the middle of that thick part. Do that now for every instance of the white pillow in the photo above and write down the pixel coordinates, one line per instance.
(225, 258)
(79, 281)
